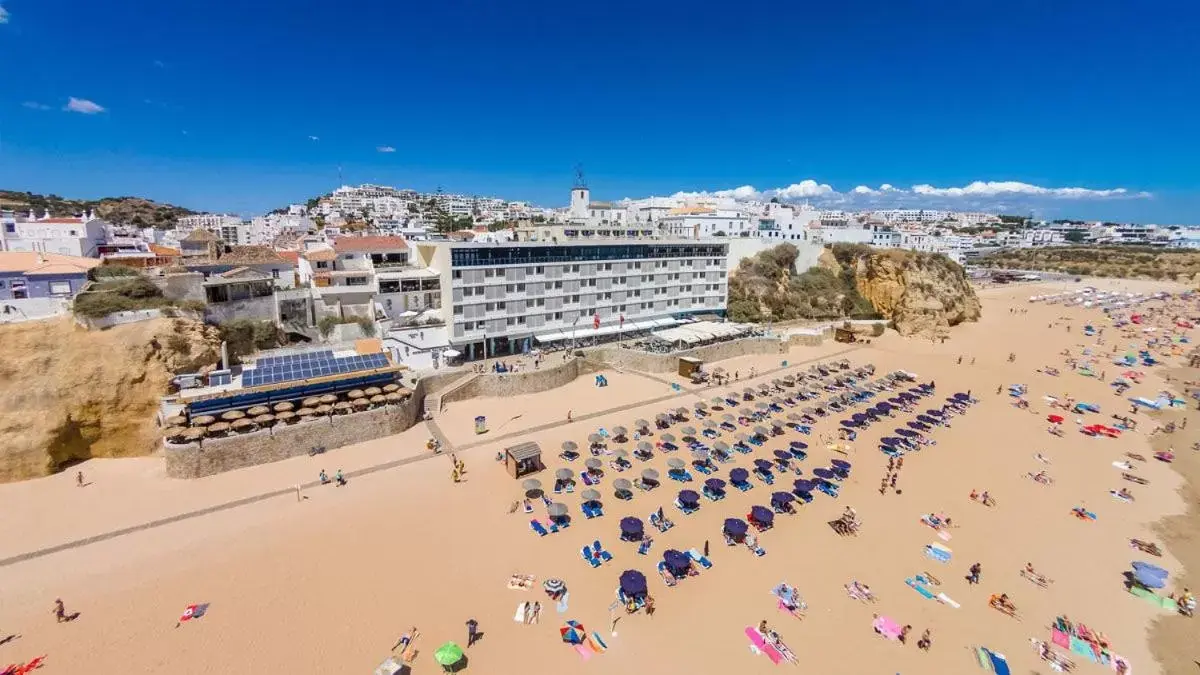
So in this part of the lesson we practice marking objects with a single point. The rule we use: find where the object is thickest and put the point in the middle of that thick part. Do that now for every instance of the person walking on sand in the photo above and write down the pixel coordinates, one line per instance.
(78, 479)
(60, 612)
(568, 416)
(472, 632)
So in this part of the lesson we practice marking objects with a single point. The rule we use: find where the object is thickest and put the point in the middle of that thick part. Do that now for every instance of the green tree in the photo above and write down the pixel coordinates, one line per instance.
(246, 336)
(1075, 236)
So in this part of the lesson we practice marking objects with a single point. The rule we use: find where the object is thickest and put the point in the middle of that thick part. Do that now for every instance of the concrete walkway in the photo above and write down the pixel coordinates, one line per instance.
(446, 447)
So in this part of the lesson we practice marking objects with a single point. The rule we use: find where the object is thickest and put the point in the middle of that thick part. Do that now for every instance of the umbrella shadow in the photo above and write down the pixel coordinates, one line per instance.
(460, 665)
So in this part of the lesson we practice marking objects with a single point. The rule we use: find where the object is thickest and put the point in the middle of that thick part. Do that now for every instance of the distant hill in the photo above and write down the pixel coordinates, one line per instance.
(116, 210)
(1123, 262)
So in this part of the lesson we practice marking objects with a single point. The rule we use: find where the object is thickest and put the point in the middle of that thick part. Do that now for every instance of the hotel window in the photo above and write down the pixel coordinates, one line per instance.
(458, 310)
(457, 273)
(60, 288)
(558, 316)
(500, 305)
(591, 282)
(490, 307)
(539, 270)
(558, 285)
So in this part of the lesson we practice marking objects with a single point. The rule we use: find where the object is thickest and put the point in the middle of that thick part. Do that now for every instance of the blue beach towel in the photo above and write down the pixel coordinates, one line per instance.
(999, 663)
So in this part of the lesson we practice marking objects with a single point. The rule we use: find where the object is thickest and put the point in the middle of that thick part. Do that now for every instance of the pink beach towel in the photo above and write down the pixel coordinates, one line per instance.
(584, 652)
(887, 628)
(757, 640)
(1060, 638)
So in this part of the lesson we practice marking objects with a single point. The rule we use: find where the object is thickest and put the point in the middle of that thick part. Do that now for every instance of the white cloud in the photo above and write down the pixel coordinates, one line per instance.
(864, 190)
(83, 106)
(1010, 187)
(385, 148)
(3, 15)
(805, 189)
(34, 105)
(888, 187)
(314, 138)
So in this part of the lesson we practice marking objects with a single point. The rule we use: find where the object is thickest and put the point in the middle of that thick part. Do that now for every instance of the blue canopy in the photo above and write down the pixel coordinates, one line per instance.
(762, 514)
(823, 473)
(859, 417)
(676, 560)
(633, 583)
(762, 464)
(883, 406)
(849, 423)
(782, 498)
(735, 526)
(1150, 576)
(803, 486)
(907, 433)
(917, 425)
(688, 497)
(783, 454)
(926, 419)
(714, 484)
(839, 464)
(798, 445)
(896, 399)
(962, 396)
(739, 475)
(631, 525)
(935, 412)
(889, 440)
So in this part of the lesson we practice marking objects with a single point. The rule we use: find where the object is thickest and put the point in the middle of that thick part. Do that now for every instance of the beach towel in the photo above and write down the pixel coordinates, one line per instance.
(599, 641)
(1083, 648)
(983, 659)
(1060, 638)
(757, 641)
(1116, 496)
(920, 588)
(947, 600)
(1152, 598)
(584, 652)
(999, 663)
(562, 603)
(886, 627)
(519, 617)
(938, 552)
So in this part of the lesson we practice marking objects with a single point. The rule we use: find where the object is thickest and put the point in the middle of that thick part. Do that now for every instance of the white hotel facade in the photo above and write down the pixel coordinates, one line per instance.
(511, 298)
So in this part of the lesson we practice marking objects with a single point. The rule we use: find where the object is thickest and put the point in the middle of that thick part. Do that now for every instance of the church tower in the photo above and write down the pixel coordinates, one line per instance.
(580, 196)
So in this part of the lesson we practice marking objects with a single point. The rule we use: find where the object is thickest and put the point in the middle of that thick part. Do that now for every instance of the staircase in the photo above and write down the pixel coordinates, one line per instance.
(433, 402)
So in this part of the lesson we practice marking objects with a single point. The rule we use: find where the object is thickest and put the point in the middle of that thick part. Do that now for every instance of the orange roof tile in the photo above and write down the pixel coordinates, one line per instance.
(31, 262)
(367, 244)
(163, 251)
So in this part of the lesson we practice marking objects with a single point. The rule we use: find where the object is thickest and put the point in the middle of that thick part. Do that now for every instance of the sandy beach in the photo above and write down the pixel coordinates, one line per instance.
(329, 583)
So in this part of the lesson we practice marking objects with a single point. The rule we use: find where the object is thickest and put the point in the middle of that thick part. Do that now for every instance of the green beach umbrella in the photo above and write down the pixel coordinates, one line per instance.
(448, 654)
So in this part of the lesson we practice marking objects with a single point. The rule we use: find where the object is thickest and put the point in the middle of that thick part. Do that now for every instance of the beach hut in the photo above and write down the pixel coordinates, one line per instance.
(523, 459)
(689, 366)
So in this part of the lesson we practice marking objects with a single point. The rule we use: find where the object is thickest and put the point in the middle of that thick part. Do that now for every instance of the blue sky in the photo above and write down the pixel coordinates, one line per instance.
(215, 105)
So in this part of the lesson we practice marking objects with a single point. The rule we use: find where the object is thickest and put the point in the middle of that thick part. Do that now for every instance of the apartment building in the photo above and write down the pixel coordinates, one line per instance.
(213, 222)
(75, 236)
(505, 299)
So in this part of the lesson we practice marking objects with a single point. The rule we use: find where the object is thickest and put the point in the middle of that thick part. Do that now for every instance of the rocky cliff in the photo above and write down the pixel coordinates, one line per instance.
(68, 394)
(921, 293)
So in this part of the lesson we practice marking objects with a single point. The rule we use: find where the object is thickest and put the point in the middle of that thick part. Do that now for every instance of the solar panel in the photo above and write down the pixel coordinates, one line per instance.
(313, 364)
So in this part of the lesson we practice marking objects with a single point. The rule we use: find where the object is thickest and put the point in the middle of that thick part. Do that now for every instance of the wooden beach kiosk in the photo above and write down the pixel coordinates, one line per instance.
(523, 459)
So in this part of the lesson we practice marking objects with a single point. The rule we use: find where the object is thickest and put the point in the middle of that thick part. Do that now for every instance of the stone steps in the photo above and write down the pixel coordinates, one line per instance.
(433, 402)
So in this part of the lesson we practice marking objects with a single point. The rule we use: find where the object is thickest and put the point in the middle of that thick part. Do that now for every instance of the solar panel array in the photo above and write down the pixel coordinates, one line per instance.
(219, 378)
(305, 366)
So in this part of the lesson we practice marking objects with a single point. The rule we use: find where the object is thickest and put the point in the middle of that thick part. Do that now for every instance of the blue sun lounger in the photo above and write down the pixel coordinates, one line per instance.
(605, 556)
(644, 547)
(686, 510)
(681, 475)
(828, 488)
(538, 528)
(764, 476)
(590, 559)
(742, 485)
(699, 559)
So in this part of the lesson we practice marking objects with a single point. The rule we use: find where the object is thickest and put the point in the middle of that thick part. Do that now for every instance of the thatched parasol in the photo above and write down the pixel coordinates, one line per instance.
(393, 397)
(355, 393)
(258, 410)
(284, 407)
(232, 415)
(285, 416)
(342, 406)
(193, 434)
(305, 412)
(264, 419)
(203, 420)
(389, 388)
(174, 432)
(404, 392)
(311, 402)
(243, 423)
(218, 428)
(361, 403)
(324, 409)
(328, 398)
(378, 398)
(372, 391)
(176, 421)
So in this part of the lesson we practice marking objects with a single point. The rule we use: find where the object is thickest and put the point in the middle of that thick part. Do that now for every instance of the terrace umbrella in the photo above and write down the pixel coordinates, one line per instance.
(233, 415)
(1055, 419)
(448, 654)
(667, 438)
(809, 410)
(531, 484)
(743, 438)
(663, 417)
(745, 412)
(645, 446)
(840, 464)
(176, 421)
(631, 525)
(343, 406)
(721, 446)
(257, 410)
(641, 424)
(554, 586)
(682, 412)
(650, 475)
(328, 398)
(926, 419)
(676, 560)
(777, 382)
(718, 370)
(907, 433)
(762, 514)
(203, 420)
(798, 445)
(564, 474)
(701, 454)
(688, 497)
(783, 455)
(761, 430)
(590, 495)
(728, 418)
(918, 426)
(620, 431)
(593, 463)
(305, 412)
(717, 401)
(193, 434)
(378, 398)
(748, 391)
(795, 417)
(935, 412)
(762, 465)
(711, 424)
(688, 431)
(782, 498)
(883, 406)
(848, 423)
(241, 424)
(264, 419)
(824, 473)
(701, 405)
(762, 405)
(557, 510)
(764, 388)
(620, 454)
(896, 400)
(174, 432)
(393, 397)
(570, 446)
(735, 527)
(714, 484)
(675, 463)
(962, 396)
(1150, 576)
(738, 475)
(859, 417)
(218, 428)
(355, 393)
(633, 583)
(622, 485)
(595, 438)
(372, 391)
(285, 415)
(324, 409)
(803, 486)
(389, 388)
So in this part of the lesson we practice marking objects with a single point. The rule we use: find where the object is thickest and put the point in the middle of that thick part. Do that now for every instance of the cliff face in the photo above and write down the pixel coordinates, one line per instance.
(67, 393)
(920, 293)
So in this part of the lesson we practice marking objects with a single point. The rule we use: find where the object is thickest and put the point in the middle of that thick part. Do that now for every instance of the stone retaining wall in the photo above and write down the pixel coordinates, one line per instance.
(212, 456)
(647, 362)
(523, 382)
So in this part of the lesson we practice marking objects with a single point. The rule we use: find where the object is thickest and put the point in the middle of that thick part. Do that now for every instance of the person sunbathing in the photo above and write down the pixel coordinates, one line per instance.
(1125, 494)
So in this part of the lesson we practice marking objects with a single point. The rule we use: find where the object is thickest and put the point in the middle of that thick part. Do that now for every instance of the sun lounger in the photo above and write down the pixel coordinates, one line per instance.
(588, 479)
(755, 548)
(764, 476)
(703, 468)
(604, 555)
(687, 510)
(742, 485)
(538, 528)
(699, 559)
(590, 559)
(947, 600)
(681, 476)
(667, 577)
(828, 488)
(644, 547)
(661, 524)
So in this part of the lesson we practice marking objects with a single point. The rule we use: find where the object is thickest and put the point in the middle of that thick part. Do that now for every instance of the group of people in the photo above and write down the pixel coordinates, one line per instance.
(459, 468)
(339, 479)
(893, 474)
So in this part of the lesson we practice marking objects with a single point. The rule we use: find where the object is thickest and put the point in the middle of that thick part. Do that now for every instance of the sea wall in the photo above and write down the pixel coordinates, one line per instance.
(524, 382)
(212, 456)
(647, 362)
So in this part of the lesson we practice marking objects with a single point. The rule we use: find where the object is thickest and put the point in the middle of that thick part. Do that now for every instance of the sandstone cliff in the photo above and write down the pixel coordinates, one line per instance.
(921, 293)
(67, 393)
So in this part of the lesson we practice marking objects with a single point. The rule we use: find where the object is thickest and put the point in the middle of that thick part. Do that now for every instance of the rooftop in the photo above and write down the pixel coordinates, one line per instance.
(240, 255)
(369, 244)
(199, 236)
(32, 263)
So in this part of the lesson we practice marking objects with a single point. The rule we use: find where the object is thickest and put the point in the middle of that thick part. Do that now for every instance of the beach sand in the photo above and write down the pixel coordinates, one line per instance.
(330, 583)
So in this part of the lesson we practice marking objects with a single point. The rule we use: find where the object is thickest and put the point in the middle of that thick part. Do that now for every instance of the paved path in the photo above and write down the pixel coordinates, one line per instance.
(254, 499)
